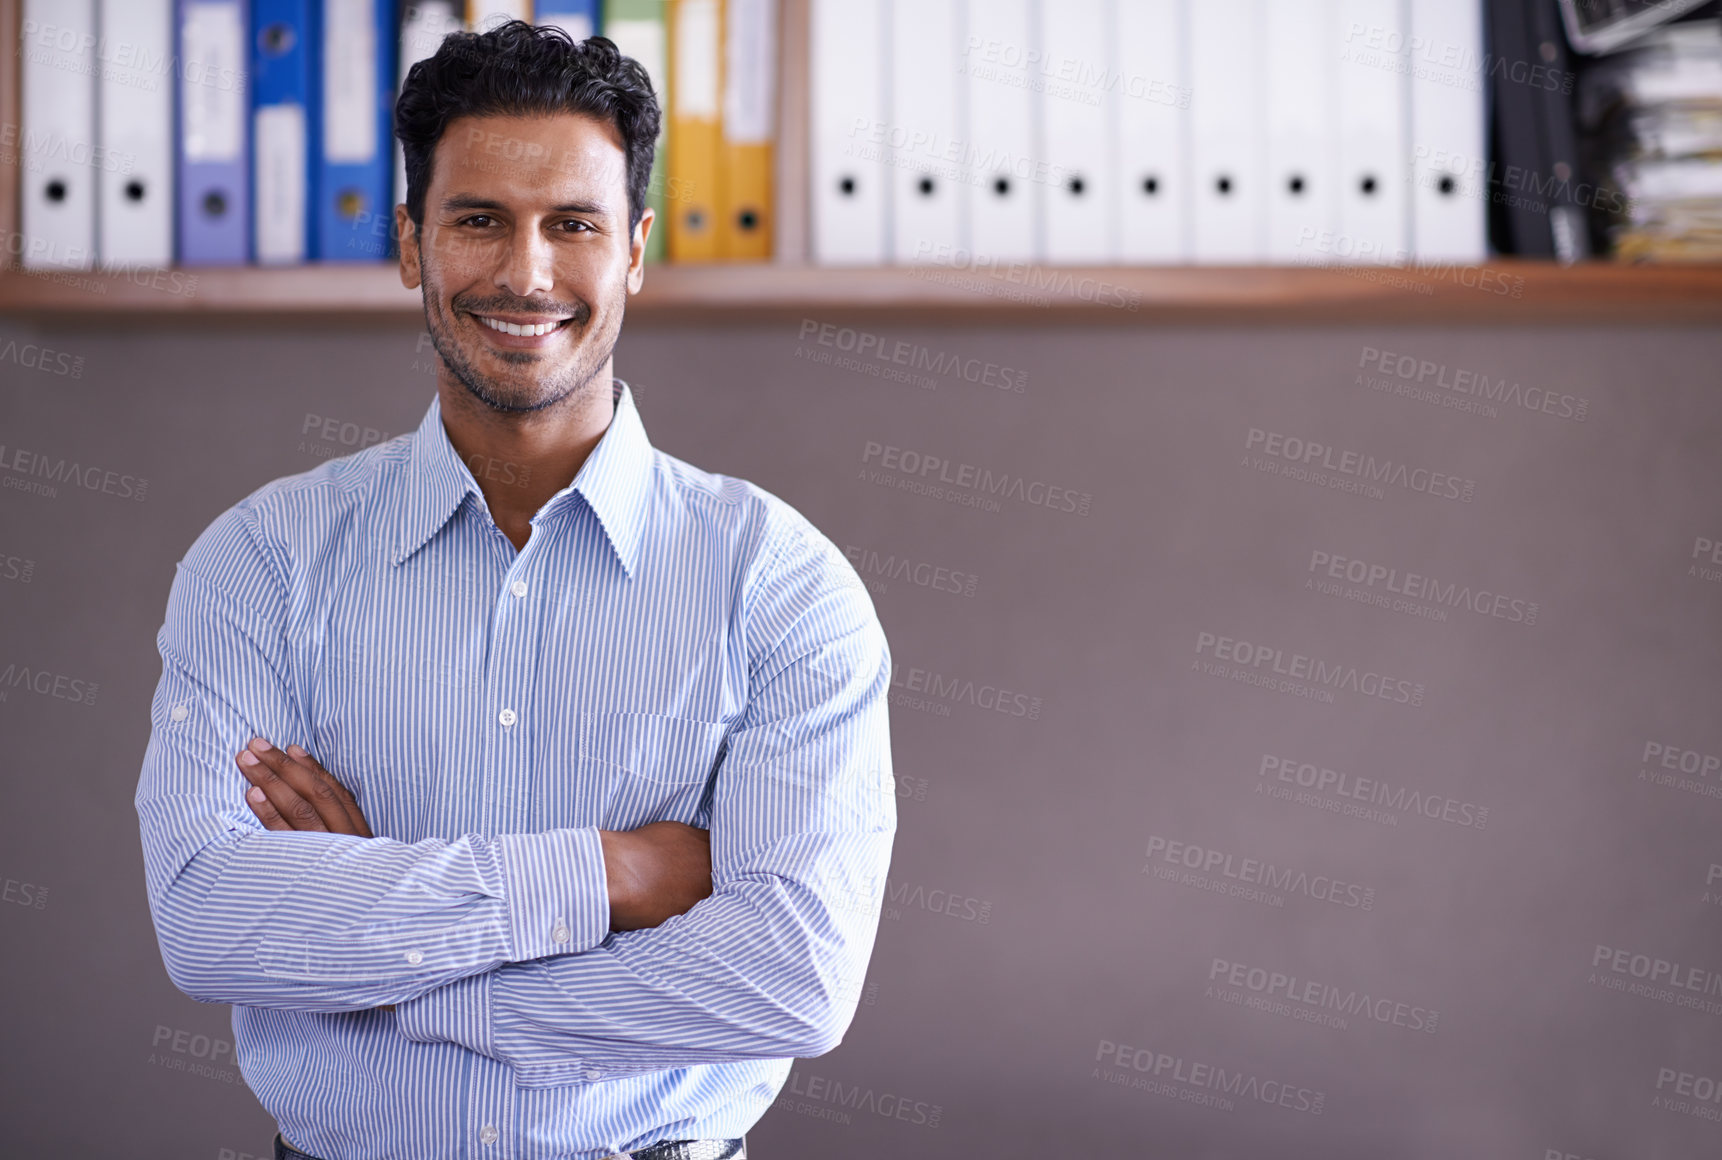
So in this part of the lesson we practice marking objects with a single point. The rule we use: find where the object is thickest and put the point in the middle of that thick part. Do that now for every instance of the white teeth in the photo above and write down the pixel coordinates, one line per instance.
(512, 328)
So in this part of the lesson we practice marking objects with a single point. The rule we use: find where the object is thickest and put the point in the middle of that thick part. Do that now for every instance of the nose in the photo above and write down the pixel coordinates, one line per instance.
(527, 266)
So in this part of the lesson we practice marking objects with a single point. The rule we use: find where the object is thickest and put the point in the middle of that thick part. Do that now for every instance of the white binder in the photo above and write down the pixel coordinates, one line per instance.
(926, 195)
(482, 15)
(1374, 156)
(134, 118)
(1449, 168)
(423, 25)
(645, 41)
(1301, 111)
(1003, 194)
(1153, 164)
(1077, 104)
(849, 131)
(1228, 193)
(57, 147)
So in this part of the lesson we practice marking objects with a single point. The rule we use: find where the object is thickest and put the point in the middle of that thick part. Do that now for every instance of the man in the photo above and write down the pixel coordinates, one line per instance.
(525, 789)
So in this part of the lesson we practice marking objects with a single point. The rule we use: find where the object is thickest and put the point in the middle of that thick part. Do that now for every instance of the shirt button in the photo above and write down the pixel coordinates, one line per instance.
(594, 1073)
(415, 957)
(560, 934)
(180, 713)
(506, 717)
(488, 1134)
(518, 588)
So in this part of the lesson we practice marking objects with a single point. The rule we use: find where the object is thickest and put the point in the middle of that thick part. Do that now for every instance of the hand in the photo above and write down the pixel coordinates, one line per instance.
(290, 791)
(654, 872)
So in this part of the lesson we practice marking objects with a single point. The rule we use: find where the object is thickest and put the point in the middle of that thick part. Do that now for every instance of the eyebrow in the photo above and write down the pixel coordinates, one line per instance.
(470, 201)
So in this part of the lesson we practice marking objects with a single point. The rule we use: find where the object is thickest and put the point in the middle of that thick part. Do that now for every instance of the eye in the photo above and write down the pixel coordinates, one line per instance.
(575, 225)
(478, 219)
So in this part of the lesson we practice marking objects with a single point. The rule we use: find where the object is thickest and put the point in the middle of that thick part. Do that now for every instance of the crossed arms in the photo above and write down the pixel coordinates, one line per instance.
(658, 870)
(504, 943)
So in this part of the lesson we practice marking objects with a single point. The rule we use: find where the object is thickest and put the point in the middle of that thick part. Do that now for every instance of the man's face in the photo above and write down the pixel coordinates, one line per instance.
(526, 230)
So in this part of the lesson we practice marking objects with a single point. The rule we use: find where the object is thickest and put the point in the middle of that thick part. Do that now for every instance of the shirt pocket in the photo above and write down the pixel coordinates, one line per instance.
(653, 766)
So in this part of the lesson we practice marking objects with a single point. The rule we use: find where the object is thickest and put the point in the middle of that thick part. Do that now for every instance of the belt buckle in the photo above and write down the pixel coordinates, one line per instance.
(679, 1149)
(682, 1150)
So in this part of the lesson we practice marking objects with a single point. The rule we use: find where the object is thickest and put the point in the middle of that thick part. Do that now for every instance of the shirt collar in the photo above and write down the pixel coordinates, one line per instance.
(614, 481)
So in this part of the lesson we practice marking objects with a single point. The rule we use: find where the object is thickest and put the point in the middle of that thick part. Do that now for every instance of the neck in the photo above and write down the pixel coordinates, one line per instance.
(522, 458)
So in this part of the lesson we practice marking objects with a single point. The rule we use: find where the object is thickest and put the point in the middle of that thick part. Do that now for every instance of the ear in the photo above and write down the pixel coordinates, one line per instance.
(409, 236)
(637, 251)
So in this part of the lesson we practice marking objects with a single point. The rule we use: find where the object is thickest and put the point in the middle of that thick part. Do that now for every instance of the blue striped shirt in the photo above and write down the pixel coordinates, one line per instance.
(670, 643)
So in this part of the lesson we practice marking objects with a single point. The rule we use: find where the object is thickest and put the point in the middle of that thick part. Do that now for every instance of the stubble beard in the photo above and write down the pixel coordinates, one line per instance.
(521, 397)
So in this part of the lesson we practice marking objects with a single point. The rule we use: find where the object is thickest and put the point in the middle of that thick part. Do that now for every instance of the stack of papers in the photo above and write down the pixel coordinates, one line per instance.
(1655, 113)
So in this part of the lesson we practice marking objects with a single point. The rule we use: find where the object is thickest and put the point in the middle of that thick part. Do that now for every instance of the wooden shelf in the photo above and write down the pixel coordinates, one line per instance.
(1507, 292)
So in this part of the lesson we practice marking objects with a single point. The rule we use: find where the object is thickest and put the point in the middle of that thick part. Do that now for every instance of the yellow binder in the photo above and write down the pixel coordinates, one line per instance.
(745, 219)
(696, 129)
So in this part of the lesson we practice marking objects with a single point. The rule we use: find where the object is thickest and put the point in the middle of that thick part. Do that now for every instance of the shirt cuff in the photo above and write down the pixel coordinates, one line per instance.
(558, 897)
(457, 1013)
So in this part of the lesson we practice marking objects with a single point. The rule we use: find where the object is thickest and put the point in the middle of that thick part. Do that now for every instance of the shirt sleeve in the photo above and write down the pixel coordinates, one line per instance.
(314, 921)
(803, 817)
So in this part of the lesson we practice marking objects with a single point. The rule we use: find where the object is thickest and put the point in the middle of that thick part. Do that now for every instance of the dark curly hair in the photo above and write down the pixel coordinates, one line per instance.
(516, 69)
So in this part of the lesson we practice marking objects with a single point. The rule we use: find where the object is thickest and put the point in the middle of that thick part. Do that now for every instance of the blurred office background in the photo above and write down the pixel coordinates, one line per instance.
(1280, 439)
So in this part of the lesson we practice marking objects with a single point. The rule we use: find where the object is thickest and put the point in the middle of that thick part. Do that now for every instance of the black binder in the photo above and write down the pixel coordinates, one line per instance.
(1535, 185)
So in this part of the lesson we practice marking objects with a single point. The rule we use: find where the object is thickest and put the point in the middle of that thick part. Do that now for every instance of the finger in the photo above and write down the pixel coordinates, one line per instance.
(314, 785)
(321, 780)
(266, 813)
(261, 769)
(326, 781)
(348, 802)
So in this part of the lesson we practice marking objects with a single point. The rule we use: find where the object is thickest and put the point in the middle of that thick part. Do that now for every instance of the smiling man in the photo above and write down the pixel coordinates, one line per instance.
(525, 789)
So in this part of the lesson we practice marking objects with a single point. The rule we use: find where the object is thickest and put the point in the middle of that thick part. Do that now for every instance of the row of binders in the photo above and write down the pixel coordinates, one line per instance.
(1149, 131)
(228, 132)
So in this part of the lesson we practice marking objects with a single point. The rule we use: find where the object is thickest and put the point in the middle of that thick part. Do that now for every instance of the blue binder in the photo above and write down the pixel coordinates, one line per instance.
(212, 132)
(578, 18)
(354, 170)
(283, 127)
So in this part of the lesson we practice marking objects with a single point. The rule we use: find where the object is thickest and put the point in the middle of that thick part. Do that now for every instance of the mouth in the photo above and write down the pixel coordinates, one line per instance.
(522, 331)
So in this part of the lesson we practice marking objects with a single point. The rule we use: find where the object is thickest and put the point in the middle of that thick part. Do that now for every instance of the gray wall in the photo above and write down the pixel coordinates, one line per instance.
(1053, 973)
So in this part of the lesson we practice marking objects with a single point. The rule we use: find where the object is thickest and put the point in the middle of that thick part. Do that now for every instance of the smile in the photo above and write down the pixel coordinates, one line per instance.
(530, 329)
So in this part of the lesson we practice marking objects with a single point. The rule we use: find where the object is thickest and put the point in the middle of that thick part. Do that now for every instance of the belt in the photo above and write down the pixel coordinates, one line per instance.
(663, 1150)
